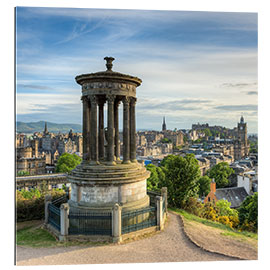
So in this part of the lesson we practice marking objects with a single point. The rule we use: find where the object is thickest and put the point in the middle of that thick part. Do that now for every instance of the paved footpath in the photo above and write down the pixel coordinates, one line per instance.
(170, 245)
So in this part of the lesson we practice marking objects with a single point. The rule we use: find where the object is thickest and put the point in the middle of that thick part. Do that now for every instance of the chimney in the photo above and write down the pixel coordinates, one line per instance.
(213, 186)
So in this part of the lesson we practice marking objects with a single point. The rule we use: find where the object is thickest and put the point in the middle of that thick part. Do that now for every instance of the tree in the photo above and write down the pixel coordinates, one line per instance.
(221, 173)
(204, 185)
(156, 178)
(67, 162)
(253, 147)
(207, 132)
(181, 178)
(224, 208)
(248, 212)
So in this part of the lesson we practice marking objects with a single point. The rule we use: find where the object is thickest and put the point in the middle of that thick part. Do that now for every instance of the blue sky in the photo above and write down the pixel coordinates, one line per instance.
(195, 66)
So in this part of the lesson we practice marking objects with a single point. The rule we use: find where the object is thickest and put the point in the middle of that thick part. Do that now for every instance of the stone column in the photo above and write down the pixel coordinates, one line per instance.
(94, 131)
(116, 129)
(164, 194)
(64, 221)
(132, 130)
(48, 200)
(126, 135)
(116, 223)
(101, 129)
(110, 119)
(159, 213)
(86, 127)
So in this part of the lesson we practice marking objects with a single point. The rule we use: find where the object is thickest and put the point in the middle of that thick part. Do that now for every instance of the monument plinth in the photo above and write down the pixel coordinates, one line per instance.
(103, 179)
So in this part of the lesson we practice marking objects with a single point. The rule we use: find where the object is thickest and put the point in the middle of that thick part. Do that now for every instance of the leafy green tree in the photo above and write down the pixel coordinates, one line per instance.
(224, 208)
(248, 212)
(181, 178)
(156, 178)
(204, 185)
(253, 147)
(221, 173)
(67, 162)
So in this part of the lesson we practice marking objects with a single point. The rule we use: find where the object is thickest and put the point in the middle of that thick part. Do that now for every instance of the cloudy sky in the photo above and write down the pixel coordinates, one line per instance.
(195, 66)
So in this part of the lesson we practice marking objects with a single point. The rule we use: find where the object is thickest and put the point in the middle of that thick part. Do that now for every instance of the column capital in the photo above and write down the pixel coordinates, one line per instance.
(126, 100)
(84, 98)
(133, 101)
(93, 100)
(110, 98)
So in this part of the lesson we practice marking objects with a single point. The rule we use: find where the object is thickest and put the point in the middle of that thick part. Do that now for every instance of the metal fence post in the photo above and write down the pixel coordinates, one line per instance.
(48, 200)
(117, 223)
(64, 221)
(159, 212)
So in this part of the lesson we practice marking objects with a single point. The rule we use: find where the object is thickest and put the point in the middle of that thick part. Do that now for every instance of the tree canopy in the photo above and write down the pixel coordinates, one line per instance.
(156, 178)
(204, 185)
(221, 173)
(67, 162)
(181, 178)
(224, 208)
(248, 212)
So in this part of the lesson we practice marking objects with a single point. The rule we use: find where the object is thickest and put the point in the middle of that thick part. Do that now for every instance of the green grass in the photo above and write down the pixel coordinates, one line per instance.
(39, 237)
(227, 229)
(35, 237)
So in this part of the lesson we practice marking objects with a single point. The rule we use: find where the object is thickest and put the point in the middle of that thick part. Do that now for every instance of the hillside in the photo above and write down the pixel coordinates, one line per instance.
(218, 238)
(32, 127)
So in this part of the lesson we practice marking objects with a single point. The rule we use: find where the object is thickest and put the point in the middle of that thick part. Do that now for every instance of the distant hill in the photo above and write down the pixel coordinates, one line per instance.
(32, 127)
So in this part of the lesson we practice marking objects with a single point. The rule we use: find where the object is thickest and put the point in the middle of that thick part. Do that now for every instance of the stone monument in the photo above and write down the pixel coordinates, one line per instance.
(103, 179)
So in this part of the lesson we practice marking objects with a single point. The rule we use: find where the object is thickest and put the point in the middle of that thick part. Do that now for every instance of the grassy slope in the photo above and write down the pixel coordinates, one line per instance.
(227, 230)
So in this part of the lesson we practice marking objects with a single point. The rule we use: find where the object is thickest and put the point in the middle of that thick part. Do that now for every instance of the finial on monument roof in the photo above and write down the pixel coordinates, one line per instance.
(109, 64)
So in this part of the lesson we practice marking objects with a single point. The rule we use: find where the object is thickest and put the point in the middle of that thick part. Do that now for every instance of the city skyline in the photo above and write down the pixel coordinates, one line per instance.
(195, 66)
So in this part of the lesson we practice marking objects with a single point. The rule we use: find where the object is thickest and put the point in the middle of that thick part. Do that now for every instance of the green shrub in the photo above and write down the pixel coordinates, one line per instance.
(224, 208)
(30, 204)
(193, 206)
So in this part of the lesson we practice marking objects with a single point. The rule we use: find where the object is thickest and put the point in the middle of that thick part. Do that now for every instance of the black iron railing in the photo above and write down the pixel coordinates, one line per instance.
(54, 216)
(138, 219)
(90, 223)
(152, 196)
(63, 199)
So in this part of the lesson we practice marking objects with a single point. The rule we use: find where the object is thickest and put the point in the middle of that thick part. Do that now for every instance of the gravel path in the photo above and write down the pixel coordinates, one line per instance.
(170, 245)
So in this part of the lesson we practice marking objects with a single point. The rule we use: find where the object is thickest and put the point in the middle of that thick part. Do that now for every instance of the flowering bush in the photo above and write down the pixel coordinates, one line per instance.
(234, 220)
(209, 212)
(225, 220)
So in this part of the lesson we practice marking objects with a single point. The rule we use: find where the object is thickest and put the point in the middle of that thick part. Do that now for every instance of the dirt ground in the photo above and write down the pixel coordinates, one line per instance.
(182, 240)
(212, 239)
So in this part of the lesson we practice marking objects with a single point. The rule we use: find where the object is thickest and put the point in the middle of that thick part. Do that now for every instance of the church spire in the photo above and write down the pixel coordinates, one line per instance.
(45, 129)
(164, 124)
